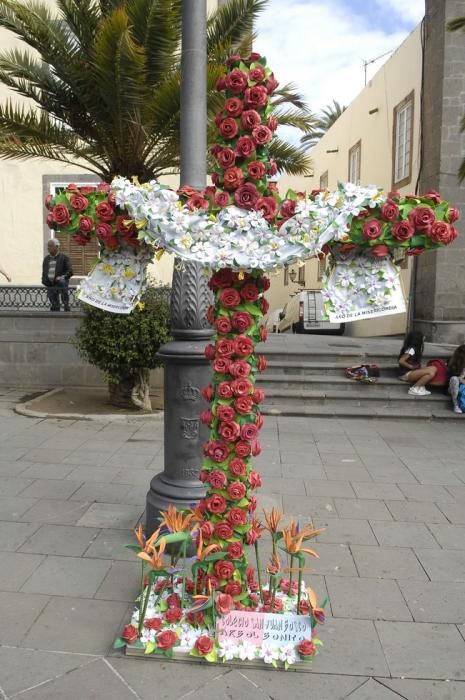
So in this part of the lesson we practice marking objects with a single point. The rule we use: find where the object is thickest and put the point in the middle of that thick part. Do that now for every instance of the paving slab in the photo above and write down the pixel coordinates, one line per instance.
(423, 650)
(387, 562)
(415, 512)
(113, 515)
(13, 485)
(110, 544)
(65, 540)
(77, 625)
(334, 559)
(18, 612)
(363, 509)
(424, 492)
(346, 531)
(122, 582)
(15, 569)
(51, 488)
(13, 535)
(309, 685)
(443, 565)
(434, 601)
(55, 511)
(454, 512)
(449, 536)
(377, 491)
(373, 690)
(309, 507)
(92, 492)
(366, 599)
(67, 576)
(398, 534)
(25, 668)
(324, 487)
(426, 690)
(13, 507)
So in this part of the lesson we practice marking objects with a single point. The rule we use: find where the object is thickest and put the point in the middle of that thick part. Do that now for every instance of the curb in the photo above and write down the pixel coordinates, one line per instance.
(23, 410)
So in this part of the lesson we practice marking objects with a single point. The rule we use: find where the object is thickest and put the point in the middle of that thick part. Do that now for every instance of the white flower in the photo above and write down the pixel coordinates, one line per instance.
(227, 650)
(269, 654)
(287, 653)
(247, 651)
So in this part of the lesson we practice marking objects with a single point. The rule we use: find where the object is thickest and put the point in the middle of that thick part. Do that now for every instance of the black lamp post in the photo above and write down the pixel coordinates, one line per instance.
(186, 368)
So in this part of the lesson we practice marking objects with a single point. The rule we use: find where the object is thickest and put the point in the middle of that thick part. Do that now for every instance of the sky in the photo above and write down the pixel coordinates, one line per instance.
(320, 45)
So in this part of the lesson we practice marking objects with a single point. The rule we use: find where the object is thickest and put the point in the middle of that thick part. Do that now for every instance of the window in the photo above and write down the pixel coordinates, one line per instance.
(82, 257)
(324, 181)
(321, 267)
(402, 142)
(286, 275)
(301, 275)
(354, 163)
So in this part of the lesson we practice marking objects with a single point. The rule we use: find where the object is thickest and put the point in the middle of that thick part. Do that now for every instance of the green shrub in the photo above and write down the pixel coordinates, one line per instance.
(122, 345)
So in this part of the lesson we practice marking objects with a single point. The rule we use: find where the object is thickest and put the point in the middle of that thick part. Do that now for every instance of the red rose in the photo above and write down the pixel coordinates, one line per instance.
(271, 84)
(250, 119)
(229, 431)
(272, 123)
(240, 368)
(223, 530)
(242, 449)
(263, 333)
(243, 405)
(453, 215)
(230, 298)
(268, 207)
(203, 475)
(204, 645)
(226, 157)
(186, 190)
(246, 196)
(211, 581)
(379, 251)
(166, 639)
(124, 225)
(225, 390)
(209, 351)
(306, 648)
(402, 230)
(237, 466)
(233, 588)
(225, 347)
(217, 450)
(264, 283)
(347, 247)
(233, 178)
(173, 600)
(209, 192)
(441, 233)
(304, 607)
(104, 231)
(251, 537)
(207, 530)
(222, 199)
(228, 128)
(415, 251)
(221, 365)
(249, 431)
(206, 417)
(241, 387)
(81, 239)
(257, 74)
(262, 363)
(394, 194)
(173, 615)
(273, 167)
(245, 146)
(236, 516)
(236, 81)
(259, 420)
(243, 346)
(223, 604)
(86, 224)
(371, 230)
(256, 170)
(215, 149)
(224, 569)
(225, 412)
(197, 201)
(129, 633)
(48, 201)
(153, 623)
(78, 202)
(208, 393)
(434, 196)
(421, 219)
(217, 479)
(288, 207)
(60, 215)
(389, 210)
(233, 107)
(249, 292)
(255, 480)
(262, 135)
(51, 221)
(236, 490)
(242, 320)
(216, 504)
(105, 211)
(235, 551)
(223, 325)
(221, 279)
(256, 97)
(252, 504)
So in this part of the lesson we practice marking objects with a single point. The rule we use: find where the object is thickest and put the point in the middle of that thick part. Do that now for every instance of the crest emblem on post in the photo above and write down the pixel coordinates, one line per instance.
(190, 428)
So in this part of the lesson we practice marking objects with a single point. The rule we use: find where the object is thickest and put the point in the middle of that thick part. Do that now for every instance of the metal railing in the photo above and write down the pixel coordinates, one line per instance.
(31, 297)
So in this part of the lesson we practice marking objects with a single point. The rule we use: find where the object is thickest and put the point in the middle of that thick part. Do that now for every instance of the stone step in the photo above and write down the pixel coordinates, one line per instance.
(349, 411)
(315, 368)
(326, 382)
(360, 398)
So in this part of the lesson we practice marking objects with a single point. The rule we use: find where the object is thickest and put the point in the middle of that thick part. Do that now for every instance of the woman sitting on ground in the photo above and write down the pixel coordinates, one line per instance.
(410, 363)
(456, 368)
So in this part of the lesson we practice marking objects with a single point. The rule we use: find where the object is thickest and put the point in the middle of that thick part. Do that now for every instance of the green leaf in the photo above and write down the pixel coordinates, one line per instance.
(273, 663)
(216, 556)
(212, 656)
(252, 309)
(119, 643)
(133, 547)
(150, 647)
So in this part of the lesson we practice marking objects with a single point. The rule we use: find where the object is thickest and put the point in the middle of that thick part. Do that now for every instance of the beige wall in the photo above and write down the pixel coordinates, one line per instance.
(392, 83)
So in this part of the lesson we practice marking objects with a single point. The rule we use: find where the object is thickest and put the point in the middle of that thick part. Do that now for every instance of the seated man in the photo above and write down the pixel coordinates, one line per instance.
(56, 271)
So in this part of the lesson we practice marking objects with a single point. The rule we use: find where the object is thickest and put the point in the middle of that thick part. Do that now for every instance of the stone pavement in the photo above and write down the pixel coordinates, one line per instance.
(391, 493)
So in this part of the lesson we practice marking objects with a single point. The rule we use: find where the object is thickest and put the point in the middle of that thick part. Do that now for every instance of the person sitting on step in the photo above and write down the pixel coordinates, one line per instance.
(456, 369)
(410, 364)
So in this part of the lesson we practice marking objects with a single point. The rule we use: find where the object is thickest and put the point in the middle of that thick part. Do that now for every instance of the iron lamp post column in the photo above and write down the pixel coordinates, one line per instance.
(186, 370)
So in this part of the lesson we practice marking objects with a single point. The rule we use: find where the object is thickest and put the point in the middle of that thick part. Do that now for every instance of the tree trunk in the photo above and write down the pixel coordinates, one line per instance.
(132, 392)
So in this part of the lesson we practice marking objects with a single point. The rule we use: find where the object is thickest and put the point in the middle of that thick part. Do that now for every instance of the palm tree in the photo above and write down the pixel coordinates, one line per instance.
(104, 80)
(455, 25)
(328, 116)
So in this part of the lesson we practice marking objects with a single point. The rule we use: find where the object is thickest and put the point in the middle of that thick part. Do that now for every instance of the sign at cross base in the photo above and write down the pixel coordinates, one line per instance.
(263, 628)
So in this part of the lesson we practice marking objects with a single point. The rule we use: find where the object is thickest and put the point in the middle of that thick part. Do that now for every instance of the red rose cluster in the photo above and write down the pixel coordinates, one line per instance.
(415, 223)
(84, 212)
(235, 420)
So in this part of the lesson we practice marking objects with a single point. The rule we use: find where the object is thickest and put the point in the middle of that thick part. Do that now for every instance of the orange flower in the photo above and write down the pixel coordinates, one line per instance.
(155, 558)
(174, 519)
(318, 613)
(204, 552)
(273, 519)
(294, 536)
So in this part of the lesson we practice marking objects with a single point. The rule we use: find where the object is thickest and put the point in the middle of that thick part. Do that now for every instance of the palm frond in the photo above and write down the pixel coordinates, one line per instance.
(232, 23)
(298, 118)
(289, 158)
(288, 94)
(82, 18)
(457, 24)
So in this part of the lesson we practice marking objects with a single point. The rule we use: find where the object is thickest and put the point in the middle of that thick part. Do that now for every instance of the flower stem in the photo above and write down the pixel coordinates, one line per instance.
(183, 574)
(144, 608)
(259, 573)
(290, 574)
(299, 584)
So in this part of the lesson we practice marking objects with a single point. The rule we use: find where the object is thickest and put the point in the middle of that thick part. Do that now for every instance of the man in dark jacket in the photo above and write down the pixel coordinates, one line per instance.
(56, 271)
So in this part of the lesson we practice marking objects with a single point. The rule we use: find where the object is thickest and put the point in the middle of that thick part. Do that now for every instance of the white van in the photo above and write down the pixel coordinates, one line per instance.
(303, 314)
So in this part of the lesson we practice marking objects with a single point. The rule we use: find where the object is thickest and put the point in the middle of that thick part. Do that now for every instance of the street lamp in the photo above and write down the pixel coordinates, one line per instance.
(186, 370)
